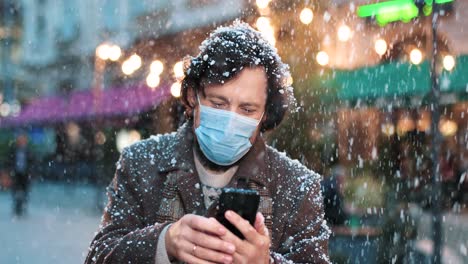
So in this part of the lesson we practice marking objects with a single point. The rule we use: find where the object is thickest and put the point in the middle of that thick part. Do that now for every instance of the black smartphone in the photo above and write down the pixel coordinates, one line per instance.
(242, 201)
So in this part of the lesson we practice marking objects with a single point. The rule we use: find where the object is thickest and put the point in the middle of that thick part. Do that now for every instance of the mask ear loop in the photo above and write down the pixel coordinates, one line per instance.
(198, 99)
(261, 117)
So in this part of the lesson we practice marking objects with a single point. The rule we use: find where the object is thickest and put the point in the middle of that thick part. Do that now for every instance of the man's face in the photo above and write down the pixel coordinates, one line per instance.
(245, 95)
(22, 141)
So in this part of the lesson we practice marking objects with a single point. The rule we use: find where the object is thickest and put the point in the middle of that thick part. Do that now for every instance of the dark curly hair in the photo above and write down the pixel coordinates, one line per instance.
(224, 54)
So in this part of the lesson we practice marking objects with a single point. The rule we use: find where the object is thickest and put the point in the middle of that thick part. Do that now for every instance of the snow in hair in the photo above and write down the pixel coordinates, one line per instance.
(229, 49)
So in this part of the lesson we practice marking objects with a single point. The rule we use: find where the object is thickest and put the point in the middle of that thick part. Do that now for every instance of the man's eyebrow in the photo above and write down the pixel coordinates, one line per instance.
(225, 99)
(252, 104)
(220, 97)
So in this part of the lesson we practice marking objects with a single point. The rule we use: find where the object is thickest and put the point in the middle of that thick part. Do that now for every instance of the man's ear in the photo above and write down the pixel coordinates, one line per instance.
(191, 97)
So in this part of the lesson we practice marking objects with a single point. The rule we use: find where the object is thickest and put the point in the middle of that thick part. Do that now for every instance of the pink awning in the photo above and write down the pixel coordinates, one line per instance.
(125, 101)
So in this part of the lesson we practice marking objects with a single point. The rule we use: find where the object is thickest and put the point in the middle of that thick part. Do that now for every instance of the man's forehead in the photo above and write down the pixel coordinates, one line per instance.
(234, 95)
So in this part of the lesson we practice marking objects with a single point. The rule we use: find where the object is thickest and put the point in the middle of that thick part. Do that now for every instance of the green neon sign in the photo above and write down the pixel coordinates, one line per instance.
(396, 10)
(429, 2)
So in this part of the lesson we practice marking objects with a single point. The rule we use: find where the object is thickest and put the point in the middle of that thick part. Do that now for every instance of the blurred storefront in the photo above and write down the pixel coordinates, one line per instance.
(383, 123)
(389, 104)
(366, 112)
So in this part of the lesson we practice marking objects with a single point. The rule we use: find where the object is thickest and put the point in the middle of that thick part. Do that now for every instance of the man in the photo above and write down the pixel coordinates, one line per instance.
(165, 186)
(20, 162)
(332, 190)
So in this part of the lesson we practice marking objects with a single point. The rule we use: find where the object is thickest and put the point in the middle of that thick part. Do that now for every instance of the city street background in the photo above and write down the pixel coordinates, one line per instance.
(59, 225)
(381, 93)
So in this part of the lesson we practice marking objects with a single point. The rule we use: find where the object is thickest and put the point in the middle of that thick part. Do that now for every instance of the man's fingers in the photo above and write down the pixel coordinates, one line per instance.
(212, 242)
(233, 239)
(243, 225)
(260, 224)
(194, 253)
(188, 258)
(259, 220)
(238, 258)
(208, 225)
(211, 255)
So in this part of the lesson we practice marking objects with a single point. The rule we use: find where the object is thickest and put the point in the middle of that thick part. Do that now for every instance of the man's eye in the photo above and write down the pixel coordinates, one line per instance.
(249, 111)
(217, 105)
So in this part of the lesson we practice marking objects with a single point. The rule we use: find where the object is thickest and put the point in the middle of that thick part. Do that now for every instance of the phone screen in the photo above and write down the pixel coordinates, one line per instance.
(242, 201)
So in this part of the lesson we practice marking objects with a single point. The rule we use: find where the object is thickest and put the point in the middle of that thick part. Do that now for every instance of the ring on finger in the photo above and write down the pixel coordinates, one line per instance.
(194, 249)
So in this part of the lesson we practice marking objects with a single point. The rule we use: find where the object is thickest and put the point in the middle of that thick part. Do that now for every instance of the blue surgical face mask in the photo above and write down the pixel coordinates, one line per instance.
(224, 136)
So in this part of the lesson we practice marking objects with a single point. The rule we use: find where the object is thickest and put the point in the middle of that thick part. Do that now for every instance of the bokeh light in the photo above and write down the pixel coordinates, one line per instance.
(176, 89)
(126, 138)
(263, 3)
(103, 51)
(344, 33)
(322, 58)
(152, 80)
(157, 67)
(179, 69)
(449, 62)
(416, 56)
(380, 46)
(263, 24)
(131, 64)
(306, 16)
(447, 127)
(114, 53)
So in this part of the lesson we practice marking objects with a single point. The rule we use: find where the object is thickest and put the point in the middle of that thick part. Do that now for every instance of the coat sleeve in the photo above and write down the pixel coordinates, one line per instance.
(306, 235)
(123, 236)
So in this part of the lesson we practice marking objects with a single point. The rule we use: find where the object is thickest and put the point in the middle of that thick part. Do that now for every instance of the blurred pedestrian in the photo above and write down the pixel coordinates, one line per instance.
(20, 162)
(332, 190)
(234, 90)
(448, 170)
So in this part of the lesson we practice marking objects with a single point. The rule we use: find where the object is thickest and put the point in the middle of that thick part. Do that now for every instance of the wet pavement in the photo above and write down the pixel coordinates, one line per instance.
(455, 235)
(62, 219)
(58, 227)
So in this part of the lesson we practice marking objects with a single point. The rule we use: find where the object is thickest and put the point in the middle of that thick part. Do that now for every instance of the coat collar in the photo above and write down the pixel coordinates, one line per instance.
(252, 167)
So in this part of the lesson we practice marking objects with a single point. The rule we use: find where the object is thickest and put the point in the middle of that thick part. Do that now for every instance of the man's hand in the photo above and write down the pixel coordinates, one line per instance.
(256, 246)
(196, 239)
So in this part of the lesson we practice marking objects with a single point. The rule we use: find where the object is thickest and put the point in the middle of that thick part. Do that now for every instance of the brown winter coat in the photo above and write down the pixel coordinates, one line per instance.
(156, 183)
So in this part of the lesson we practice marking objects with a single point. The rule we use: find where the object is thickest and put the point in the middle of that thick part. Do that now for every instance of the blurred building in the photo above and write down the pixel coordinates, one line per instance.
(10, 51)
(59, 38)
(86, 79)
(59, 48)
